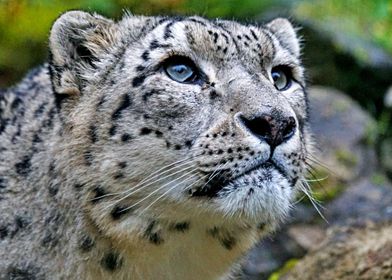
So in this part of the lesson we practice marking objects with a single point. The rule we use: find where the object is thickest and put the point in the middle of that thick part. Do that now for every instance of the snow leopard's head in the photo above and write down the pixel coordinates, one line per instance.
(182, 116)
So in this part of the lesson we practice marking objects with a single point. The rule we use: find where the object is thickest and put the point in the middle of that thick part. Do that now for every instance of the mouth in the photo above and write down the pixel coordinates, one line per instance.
(218, 183)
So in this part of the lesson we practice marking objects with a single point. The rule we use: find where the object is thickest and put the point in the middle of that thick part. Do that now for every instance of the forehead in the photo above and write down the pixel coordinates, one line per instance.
(217, 40)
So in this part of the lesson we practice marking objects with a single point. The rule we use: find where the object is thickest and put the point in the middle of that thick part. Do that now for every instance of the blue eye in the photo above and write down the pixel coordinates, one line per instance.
(180, 72)
(181, 69)
(281, 77)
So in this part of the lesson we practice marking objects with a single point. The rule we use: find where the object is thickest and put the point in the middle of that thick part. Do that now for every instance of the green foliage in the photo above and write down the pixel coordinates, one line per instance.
(24, 24)
(369, 20)
(290, 264)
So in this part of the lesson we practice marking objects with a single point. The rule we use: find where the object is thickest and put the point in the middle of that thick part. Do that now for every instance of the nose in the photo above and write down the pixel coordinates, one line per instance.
(274, 129)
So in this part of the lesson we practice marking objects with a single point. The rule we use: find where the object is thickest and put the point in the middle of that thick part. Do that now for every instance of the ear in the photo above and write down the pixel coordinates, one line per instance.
(77, 41)
(285, 33)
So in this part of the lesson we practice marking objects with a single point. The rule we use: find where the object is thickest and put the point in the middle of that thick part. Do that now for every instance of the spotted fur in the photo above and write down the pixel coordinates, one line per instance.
(110, 169)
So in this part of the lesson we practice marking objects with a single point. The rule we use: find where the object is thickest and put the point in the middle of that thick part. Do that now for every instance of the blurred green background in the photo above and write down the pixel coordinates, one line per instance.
(24, 24)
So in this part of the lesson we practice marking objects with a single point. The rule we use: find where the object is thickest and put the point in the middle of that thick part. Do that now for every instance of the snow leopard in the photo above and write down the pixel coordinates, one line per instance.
(151, 147)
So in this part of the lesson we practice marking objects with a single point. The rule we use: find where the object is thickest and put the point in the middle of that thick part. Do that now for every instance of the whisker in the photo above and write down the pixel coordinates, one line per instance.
(316, 204)
(165, 193)
(157, 190)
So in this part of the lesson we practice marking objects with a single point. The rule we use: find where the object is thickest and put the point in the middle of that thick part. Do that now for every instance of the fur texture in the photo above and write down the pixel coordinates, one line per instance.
(110, 169)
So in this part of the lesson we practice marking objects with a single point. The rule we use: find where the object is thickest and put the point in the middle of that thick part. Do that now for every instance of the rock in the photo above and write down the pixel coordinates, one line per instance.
(367, 199)
(308, 237)
(349, 254)
(388, 98)
(340, 60)
(340, 127)
(385, 155)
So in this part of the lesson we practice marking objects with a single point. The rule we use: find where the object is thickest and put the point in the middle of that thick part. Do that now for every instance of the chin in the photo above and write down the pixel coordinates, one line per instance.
(263, 195)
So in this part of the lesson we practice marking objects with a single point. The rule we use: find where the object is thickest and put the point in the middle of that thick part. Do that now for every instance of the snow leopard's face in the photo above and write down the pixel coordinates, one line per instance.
(182, 116)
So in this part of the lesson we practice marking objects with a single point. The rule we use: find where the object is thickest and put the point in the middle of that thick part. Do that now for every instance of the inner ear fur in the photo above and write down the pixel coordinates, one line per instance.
(78, 40)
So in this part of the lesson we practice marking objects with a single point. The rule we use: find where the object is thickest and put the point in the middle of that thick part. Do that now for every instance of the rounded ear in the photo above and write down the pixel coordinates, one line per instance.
(77, 40)
(286, 35)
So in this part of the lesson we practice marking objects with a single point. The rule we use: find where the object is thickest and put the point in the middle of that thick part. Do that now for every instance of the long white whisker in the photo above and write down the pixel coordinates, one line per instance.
(304, 187)
(155, 191)
(165, 193)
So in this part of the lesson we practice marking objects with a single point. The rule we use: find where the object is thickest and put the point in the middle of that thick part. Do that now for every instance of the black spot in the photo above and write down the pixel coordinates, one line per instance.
(254, 35)
(188, 143)
(137, 81)
(3, 183)
(39, 111)
(22, 273)
(197, 21)
(177, 147)
(88, 157)
(50, 239)
(153, 236)
(146, 55)
(182, 227)
(247, 37)
(215, 135)
(261, 226)
(125, 103)
(111, 261)
(224, 238)
(118, 175)
(228, 242)
(53, 189)
(219, 152)
(140, 68)
(78, 186)
(15, 104)
(126, 137)
(158, 133)
(86, 243)
(99, 193)
(93, 133)
(112, 130)
(21, 223)
(145, 131)
(154, 45)
(122, 164)
(213, 94)
(147, 94)
(168, 33)
(216, 36)
(3, 232)
(168, 145)
(36, 139)
(239, 37)
(119, 211)
(23, 166)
